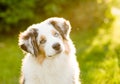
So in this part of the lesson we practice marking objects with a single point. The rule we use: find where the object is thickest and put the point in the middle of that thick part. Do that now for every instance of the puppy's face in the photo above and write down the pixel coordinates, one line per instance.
(50, 41)
(46, 39)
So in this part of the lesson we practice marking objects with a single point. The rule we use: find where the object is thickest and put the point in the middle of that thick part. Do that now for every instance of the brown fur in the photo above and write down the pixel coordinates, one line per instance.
(53, 32)
(42, 39)
(66, 27)
(34, 43)
(32, 34)
(62, 30)
(67, 48)
(55, 24)
(41, 56)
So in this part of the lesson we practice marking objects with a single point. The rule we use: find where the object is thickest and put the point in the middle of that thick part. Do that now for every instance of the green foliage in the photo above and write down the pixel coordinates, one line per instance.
(13, 11)
(90, 14)
(116, 3)
(83, 14)
(98, 52)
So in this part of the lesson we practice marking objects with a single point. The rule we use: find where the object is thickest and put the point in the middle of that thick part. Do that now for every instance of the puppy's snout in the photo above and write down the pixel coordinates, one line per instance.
(56, 46)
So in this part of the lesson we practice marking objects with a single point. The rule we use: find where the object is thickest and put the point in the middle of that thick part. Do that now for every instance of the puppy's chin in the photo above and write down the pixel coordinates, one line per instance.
(55, 54)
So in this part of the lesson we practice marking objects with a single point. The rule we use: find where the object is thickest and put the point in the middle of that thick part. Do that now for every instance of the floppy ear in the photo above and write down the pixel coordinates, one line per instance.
(28, 41)
(63, 26)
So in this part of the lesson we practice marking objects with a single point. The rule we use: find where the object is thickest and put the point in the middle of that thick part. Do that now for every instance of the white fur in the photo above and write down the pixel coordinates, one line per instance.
(61, 68)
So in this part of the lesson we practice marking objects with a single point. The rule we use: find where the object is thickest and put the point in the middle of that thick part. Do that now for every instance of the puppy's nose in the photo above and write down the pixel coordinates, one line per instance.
(56, 46)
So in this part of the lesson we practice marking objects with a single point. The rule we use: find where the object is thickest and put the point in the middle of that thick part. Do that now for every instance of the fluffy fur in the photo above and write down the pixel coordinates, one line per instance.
(50, 54)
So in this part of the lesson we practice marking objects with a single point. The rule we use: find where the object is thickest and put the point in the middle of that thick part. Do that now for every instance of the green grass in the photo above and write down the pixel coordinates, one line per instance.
(98, 54)
(10, 60)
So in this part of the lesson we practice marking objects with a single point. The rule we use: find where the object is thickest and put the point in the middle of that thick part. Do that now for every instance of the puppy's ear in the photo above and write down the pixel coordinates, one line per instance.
(28, 41)
(63, 26)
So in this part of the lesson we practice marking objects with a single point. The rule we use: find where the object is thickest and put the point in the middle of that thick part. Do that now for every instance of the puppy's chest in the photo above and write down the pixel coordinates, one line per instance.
(50, 72)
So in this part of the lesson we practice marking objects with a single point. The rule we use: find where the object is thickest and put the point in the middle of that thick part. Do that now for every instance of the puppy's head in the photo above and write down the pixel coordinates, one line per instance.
(46, 38)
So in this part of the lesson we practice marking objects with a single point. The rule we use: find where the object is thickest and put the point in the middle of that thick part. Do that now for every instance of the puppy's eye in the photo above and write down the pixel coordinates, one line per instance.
(56, 34)
(42, 41)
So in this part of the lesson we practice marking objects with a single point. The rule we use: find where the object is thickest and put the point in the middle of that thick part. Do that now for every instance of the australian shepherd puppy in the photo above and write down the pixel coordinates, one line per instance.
(50, 54)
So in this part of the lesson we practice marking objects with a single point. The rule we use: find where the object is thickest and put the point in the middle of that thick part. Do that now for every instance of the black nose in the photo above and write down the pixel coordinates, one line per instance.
(56, 46)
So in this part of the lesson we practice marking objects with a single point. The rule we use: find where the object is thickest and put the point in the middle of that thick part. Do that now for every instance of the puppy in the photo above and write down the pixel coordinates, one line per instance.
(50, 54)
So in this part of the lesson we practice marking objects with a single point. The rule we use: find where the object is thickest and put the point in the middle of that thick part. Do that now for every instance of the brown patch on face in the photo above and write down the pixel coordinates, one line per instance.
(53, 32)
(41, 56)
(42, 39)
(67, 47)
(55, 24)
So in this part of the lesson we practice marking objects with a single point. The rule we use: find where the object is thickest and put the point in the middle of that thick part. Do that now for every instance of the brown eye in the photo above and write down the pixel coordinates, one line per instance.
(42, 41)
(56, 34)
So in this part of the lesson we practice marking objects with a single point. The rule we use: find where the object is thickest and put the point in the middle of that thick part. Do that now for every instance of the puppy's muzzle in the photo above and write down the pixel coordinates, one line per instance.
(56, 46)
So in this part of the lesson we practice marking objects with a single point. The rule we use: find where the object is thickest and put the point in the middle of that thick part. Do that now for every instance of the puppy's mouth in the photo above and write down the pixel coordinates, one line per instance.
(57, 52)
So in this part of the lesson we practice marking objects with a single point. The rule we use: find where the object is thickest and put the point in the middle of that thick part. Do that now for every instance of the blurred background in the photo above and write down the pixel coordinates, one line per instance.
(95, 33)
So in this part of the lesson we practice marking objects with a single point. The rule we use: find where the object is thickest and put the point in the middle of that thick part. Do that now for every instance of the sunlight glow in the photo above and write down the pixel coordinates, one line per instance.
(115, 11)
